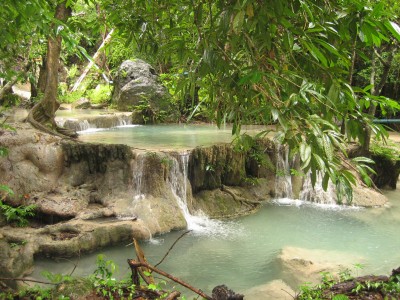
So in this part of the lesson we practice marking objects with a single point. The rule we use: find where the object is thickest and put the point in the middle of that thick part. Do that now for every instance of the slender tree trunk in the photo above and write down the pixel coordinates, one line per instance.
(49, 101)
(92, 63)
(376, 90)
(42, 115)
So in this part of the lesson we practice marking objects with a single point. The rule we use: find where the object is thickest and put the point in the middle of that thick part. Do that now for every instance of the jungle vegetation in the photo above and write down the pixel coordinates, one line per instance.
(321, 70)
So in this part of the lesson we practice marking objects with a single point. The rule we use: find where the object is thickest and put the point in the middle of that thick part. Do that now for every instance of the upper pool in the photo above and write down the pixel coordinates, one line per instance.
(164, 137)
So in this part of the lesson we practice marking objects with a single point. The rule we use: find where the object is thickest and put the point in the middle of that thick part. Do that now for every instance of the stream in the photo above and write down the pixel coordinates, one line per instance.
(242, 253)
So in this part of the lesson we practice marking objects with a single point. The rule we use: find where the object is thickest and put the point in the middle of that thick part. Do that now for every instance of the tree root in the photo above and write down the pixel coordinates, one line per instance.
(239, 199)
(38, 118)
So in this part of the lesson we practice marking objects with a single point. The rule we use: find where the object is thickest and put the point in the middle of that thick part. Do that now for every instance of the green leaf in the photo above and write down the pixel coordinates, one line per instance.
(320, 162)
(238, 21)
(305, 152)
(152, 287)
(316, 53)
(7, 190)
(3, 151)
(325, 181)
(394, 28)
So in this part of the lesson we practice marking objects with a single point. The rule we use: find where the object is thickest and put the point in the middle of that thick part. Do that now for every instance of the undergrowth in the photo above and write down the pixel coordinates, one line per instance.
(329, 288)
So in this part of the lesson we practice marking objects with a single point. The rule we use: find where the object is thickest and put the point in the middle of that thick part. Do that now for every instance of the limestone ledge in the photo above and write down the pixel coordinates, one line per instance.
(81, 189)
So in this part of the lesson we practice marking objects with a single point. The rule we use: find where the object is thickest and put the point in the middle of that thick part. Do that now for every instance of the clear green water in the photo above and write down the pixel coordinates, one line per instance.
(154, 137)
(246, 256)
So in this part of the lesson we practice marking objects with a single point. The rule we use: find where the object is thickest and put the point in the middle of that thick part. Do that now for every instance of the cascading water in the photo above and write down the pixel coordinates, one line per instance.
(317, 194)
(199, 223)
(84, 125)
(138, 189)
(138, 184)
(308, 193)
(94, 123)
(283, 180)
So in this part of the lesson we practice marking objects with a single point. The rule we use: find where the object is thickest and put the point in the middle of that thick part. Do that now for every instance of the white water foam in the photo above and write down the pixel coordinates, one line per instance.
(317, 194)
(128, 126)
(323, 206)
(91, 130)
(311, 196)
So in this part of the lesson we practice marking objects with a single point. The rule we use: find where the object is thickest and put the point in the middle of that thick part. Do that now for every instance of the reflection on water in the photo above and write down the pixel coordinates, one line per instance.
(246, 257)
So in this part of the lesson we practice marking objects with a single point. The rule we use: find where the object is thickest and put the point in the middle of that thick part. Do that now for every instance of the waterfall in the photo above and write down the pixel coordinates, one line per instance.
(84, 125)
(308, 193)
(283, 180)
(317, 194)
(129, 210)
(198, 223)
(178, 183)
(138, 184)
(95, 123)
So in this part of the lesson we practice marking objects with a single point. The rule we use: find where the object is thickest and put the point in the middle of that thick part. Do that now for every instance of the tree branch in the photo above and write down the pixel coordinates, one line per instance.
(29, 280)
(169, 250)
(135, 264)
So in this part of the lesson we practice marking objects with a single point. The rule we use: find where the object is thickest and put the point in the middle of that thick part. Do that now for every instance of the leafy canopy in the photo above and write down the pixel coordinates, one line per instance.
(288, 63)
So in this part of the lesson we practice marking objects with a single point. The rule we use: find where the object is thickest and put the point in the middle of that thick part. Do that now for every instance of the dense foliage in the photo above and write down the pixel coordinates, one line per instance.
(295, 64)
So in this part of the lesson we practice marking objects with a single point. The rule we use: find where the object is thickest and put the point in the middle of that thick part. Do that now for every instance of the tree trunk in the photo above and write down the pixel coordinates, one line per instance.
(376, 90)
(42, 115)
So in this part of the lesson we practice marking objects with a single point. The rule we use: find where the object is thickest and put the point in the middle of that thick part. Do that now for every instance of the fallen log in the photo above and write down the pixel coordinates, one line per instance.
(347, 287)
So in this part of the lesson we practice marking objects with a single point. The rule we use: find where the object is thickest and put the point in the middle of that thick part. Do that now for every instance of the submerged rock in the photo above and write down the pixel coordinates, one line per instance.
(300, 265)
(274, 290)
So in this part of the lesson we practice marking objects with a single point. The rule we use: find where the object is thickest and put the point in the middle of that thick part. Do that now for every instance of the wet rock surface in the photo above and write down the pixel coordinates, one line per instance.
(90, 196)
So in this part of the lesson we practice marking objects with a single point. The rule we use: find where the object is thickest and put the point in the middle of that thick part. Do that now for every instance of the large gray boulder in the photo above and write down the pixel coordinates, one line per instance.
(137, 83)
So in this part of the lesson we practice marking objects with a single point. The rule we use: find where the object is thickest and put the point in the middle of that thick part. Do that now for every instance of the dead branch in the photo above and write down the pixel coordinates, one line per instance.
(142, 271)
(169, 250)
(92, 62)
(133, 264)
